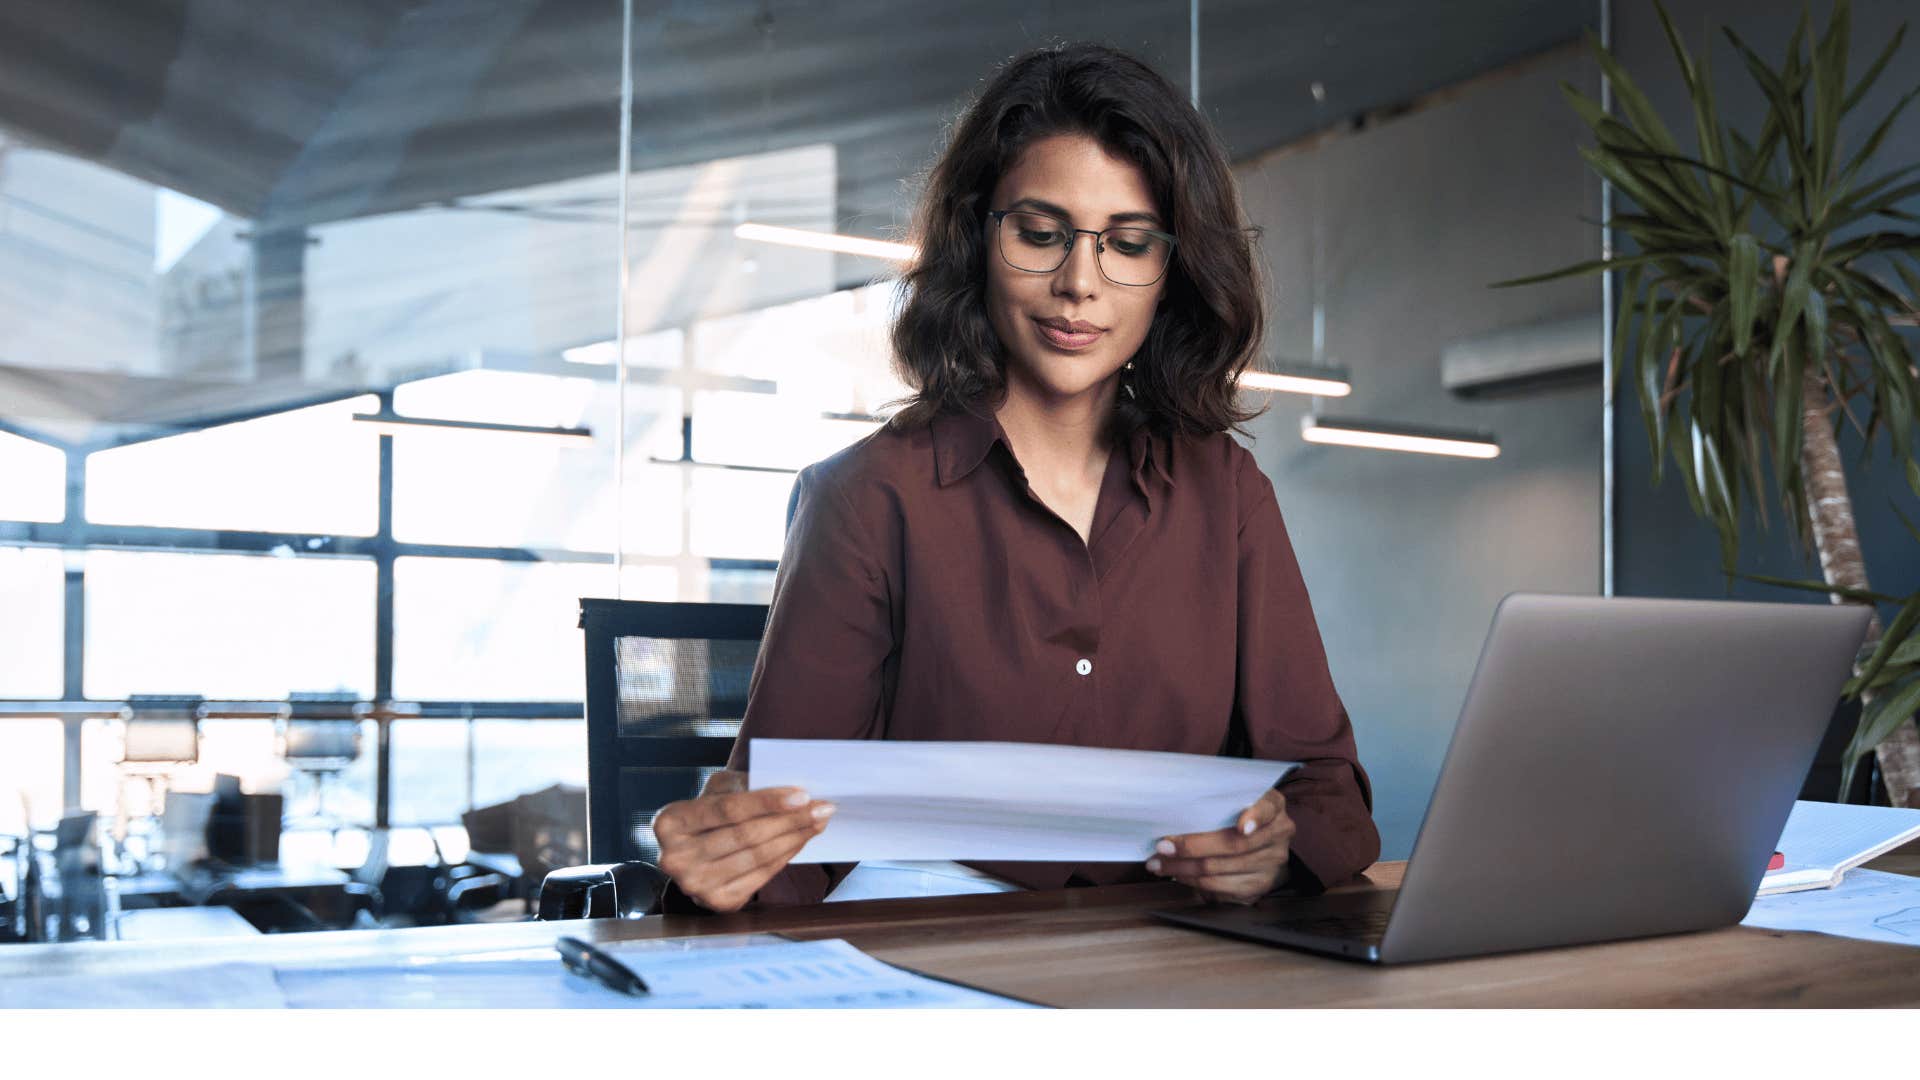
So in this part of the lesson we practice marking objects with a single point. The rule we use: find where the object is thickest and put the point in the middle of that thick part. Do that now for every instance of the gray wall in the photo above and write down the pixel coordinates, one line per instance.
(1663, 549)
(1407, 555)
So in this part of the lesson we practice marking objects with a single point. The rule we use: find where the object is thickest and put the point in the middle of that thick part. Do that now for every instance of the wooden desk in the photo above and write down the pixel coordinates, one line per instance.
(1099, 948)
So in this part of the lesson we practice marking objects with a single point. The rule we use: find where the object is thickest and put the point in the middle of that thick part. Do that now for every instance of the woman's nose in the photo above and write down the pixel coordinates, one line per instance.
(1079, 275)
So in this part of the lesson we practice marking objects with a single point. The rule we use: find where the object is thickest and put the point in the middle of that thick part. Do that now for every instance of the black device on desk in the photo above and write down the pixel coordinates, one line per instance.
(1621, 768)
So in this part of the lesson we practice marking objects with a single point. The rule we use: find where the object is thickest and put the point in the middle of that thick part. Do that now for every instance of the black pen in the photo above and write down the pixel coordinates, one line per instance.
(584, 959)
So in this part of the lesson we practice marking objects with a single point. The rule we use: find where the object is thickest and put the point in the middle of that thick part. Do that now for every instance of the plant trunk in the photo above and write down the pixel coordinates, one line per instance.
(1838, 542)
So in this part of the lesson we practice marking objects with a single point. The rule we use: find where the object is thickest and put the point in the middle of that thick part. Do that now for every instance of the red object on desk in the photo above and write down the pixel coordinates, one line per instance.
(1777, 861)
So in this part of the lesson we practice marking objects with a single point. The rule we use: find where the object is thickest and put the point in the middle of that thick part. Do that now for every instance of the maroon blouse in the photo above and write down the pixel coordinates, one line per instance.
(927, 593)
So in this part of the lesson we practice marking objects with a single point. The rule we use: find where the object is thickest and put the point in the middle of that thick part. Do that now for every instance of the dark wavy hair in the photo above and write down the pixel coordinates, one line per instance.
(1209, 323)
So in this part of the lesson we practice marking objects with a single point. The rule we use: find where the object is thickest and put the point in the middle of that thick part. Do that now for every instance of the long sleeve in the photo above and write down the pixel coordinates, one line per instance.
(1284, 695)
(820, 672)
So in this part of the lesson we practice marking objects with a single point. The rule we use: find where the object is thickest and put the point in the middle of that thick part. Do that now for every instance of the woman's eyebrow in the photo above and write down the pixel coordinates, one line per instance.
(1058, 211)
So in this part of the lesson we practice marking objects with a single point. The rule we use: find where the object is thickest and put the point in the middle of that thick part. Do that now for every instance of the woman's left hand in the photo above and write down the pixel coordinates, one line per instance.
(1236, 865)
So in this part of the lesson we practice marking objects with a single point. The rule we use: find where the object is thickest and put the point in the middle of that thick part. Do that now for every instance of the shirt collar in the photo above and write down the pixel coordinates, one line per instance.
(962, 440)
(1148, 451)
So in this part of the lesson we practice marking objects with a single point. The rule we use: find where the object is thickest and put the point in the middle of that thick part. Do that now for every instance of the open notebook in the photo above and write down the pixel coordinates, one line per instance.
(1822, 841)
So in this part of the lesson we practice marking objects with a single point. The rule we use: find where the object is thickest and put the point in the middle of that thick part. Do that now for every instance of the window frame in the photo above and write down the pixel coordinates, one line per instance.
(75, 535)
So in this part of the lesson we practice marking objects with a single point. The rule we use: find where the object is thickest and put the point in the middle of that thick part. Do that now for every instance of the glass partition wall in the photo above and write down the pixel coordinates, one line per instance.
(356, 375)
(344, 348)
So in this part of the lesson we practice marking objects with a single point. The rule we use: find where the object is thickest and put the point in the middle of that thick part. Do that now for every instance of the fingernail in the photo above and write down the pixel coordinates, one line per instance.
(824, 810)
(1164, 847)
(1153, 866)
(798, 798)
(1246, 828)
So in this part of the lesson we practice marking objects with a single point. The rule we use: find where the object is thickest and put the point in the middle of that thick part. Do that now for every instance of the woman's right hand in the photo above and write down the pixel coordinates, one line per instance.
(723, 845)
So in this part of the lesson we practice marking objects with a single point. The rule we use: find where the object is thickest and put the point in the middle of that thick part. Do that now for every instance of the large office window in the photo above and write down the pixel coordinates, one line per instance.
(31, 596)
(483, 630)
(247, 627)
(306, 470)
(30, 756)
(495, 489)
(34, 487)
(443, 768)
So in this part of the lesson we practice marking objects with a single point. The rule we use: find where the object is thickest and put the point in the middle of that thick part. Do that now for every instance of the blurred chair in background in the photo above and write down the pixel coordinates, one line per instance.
(161, 736)
(523, 839)
(82, 901)
(319, 737)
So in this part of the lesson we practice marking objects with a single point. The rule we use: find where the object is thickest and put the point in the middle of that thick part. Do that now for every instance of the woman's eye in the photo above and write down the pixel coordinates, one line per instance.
(1041, 238)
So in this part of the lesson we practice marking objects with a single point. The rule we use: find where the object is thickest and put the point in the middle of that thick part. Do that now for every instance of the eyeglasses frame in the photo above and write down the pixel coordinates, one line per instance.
(1100, 245)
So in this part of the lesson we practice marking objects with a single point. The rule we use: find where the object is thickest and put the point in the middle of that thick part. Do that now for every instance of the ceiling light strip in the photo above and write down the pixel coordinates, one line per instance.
(823, 241)
(1328, 384)
(1403, 438)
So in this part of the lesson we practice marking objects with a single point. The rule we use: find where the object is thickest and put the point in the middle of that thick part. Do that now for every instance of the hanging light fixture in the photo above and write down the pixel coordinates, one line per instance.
(1405, 438)
(1315, 377)
(1354, 431)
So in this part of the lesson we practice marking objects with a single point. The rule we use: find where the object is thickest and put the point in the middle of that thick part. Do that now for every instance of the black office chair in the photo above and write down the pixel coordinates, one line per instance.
(666, 690)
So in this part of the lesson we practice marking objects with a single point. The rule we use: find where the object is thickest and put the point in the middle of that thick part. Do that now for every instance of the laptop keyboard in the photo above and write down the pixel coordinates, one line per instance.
(1369, 926)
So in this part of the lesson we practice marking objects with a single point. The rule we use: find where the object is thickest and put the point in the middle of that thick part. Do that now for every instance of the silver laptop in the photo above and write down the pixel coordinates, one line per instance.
(1621, 768)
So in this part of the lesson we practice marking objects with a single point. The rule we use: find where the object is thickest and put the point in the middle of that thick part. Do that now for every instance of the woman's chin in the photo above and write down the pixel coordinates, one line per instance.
(1064, 382)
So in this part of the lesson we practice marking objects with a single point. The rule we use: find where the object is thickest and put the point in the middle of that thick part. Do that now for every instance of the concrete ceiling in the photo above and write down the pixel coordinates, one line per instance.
(301, 113)
(291, 115)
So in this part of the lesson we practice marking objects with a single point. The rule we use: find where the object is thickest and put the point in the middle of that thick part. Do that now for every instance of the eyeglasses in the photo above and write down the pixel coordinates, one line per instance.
(1040, 244)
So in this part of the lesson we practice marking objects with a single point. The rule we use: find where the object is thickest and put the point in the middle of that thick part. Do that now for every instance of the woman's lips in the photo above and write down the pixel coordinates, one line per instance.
(1060, 339)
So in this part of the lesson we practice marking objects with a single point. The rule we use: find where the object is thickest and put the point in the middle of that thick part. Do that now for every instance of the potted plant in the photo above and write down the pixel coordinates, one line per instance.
(1758, 313)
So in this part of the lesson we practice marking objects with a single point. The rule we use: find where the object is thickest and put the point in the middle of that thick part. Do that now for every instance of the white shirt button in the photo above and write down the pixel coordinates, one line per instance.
(1084, 666)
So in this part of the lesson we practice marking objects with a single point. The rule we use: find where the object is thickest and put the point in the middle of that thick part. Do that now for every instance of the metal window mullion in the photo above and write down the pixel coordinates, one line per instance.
(73, 648)
(383, 557)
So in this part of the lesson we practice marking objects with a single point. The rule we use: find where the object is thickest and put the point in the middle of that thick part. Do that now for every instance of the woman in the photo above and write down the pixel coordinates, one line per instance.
(1056, 540)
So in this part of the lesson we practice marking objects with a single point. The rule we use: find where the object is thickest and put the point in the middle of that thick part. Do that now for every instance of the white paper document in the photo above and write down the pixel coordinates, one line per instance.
(1006, 801)
(209, 986)
(795, 975)
(1822, 841)
(761, 972)
(1868, 905)
(519, 978)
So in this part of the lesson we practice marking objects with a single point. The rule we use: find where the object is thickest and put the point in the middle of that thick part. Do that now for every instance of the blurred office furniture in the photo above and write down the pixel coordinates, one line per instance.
(11, 880)
(319, 737)
(32, 921)
(160, 736)
(80, 901)
(525, 838)
(54, 887)
(181, 924)
(438, 892)
(243, 828)
(181, 840)
(221, 849)
(273, 897)
(666, 690)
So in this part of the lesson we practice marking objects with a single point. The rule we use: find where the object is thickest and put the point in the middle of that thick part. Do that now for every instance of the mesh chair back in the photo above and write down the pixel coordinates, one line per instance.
(666, 691)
